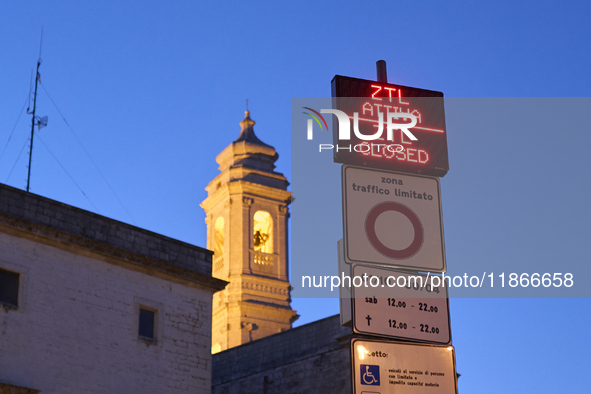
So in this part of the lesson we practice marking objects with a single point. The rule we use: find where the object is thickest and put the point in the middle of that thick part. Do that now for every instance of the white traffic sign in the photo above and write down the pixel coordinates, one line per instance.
(383, 367)
(392, 219)
(400, 305)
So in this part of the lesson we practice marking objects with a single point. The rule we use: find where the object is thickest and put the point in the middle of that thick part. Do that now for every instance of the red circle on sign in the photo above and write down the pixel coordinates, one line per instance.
(370, 229)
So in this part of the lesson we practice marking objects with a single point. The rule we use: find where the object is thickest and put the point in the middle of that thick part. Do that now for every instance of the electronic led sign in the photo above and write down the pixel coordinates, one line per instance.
(392, 127)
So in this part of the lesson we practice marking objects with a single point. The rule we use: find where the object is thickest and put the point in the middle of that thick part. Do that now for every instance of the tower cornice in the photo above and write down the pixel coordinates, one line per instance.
(241, 187)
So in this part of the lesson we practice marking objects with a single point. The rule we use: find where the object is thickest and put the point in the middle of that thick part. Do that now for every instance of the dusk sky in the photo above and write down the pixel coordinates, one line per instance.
(142, 95)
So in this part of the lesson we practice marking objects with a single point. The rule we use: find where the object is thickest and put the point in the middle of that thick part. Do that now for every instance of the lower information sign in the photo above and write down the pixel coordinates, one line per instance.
(400, 305)
(384, 367)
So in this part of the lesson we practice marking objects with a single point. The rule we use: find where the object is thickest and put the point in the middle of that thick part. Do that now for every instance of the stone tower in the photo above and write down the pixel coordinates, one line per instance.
(246, 214)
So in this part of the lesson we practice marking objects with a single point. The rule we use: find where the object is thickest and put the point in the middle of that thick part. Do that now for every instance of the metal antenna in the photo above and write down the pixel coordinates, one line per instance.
(33, 112)
(247, 104)
(30, 91)
(41, 42)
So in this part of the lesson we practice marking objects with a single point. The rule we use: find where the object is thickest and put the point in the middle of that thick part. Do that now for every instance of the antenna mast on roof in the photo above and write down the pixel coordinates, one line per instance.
(34, 120)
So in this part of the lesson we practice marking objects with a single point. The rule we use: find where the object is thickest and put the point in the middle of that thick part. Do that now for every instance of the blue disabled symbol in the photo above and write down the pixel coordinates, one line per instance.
(370, 375)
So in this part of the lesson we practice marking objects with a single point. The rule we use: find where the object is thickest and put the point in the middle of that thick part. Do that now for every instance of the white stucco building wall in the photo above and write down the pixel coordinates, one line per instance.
(82, 281)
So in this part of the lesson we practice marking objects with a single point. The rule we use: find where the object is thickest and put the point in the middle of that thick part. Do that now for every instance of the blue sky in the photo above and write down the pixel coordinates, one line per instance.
(154, 90)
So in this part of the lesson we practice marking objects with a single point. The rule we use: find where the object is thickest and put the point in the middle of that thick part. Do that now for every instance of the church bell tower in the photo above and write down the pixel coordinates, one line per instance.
(246, 214)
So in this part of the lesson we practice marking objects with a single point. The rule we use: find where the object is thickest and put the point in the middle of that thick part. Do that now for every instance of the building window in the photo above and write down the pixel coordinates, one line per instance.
(218, 238)
(9, 282)
(263, 232)
(147, 324)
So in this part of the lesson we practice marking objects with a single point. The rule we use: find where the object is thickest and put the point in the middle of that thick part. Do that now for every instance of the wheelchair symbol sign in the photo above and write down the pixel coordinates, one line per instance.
(370, 375)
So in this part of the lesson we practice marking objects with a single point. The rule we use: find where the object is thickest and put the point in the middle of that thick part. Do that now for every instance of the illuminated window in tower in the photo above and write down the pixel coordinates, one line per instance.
(218, 237)
(263, 232)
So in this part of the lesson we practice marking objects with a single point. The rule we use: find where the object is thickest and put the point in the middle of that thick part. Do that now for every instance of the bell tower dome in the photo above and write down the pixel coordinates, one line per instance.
(246, 214)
